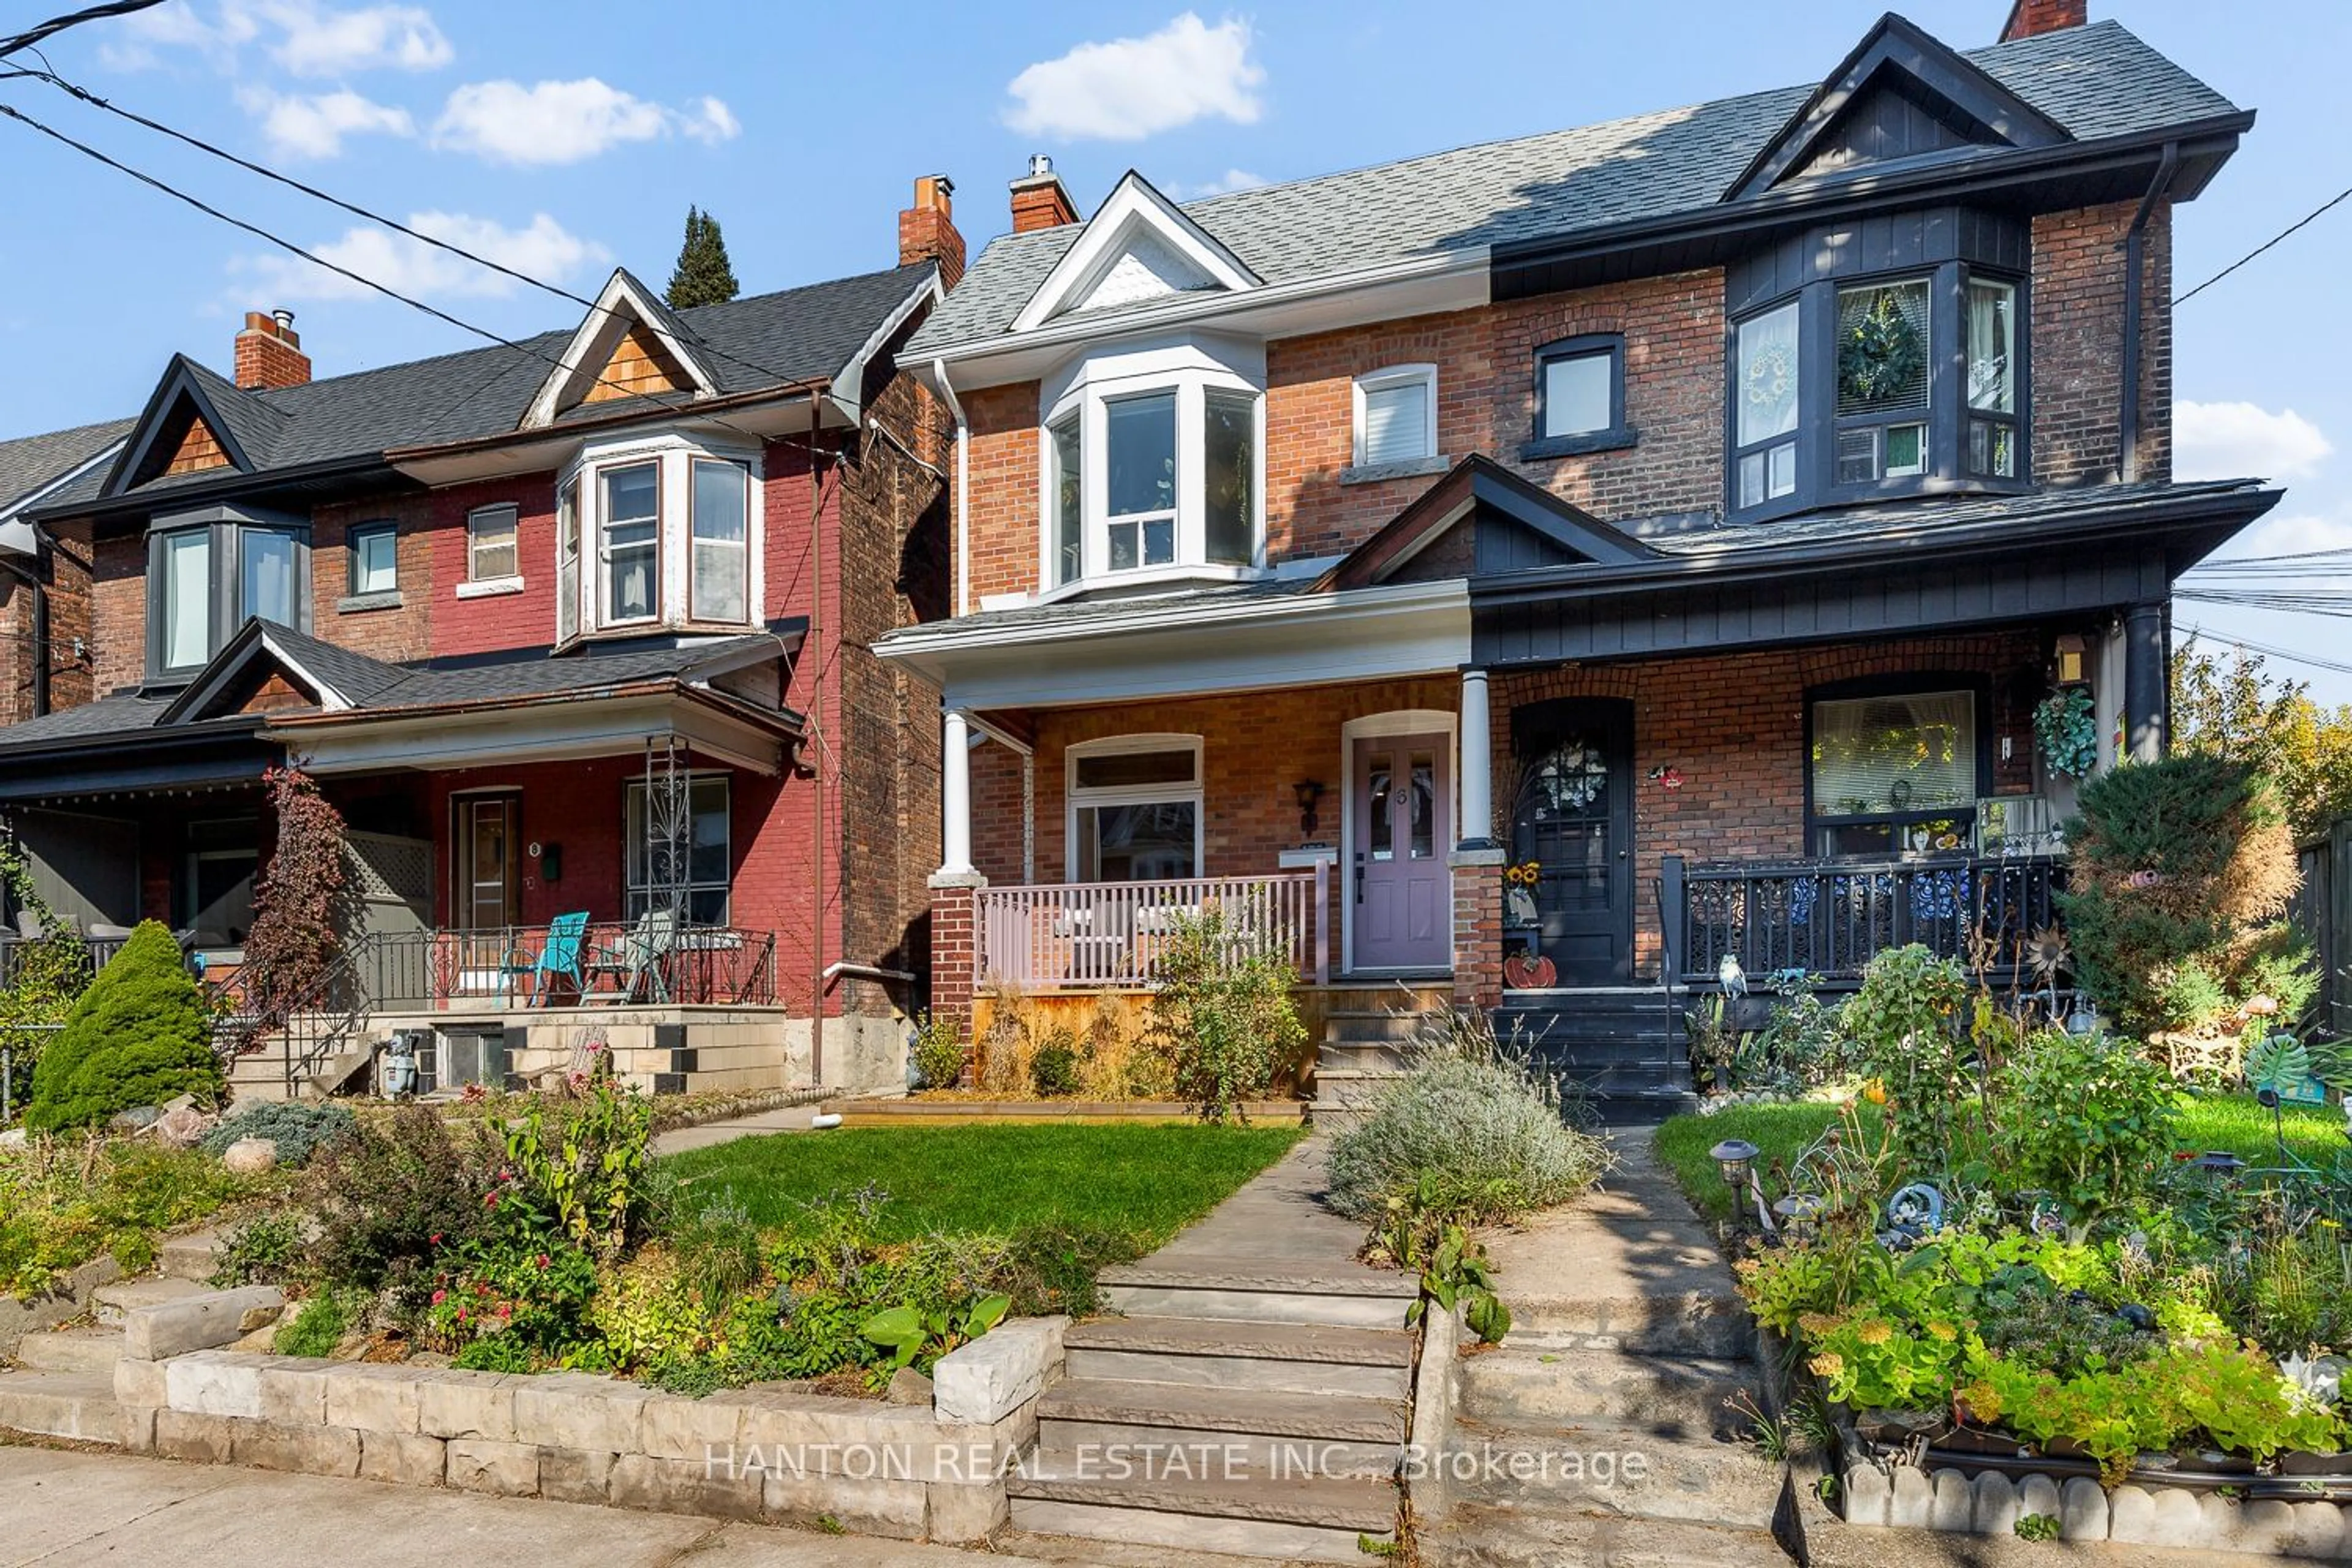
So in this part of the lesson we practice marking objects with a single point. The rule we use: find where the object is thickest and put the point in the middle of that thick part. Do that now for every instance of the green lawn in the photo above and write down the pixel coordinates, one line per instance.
(1144, 1181)
(2232, 1122)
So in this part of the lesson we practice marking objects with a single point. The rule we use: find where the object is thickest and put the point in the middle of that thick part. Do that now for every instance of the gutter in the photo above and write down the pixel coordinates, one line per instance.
(2134, 250)
(783, 718)
(232, 483)
(563, 429)
(1386, 600)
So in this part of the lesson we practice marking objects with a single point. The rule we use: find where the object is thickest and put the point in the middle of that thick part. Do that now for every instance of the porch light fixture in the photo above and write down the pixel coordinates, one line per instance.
(2072, 652)
(1308, 791)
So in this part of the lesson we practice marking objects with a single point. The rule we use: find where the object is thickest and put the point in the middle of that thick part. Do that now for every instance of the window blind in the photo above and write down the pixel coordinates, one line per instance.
(1884, 755)
(1396, 423)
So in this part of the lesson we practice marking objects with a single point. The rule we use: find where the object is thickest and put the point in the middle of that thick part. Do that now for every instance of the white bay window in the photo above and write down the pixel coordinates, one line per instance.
(1151, 466)
(660, 532)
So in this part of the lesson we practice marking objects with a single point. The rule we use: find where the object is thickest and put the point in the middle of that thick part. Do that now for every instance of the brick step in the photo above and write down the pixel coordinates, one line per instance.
(112, 1302)
(1298, 1358)
(1309, 1519)
(1522, 1384)
(77, 1406)
(1256, 1289)
(1506, 1538)
(72, 1350)
(1585, 1468)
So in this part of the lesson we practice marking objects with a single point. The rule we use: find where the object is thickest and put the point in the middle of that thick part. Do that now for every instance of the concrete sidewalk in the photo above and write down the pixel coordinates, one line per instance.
(786, 1119)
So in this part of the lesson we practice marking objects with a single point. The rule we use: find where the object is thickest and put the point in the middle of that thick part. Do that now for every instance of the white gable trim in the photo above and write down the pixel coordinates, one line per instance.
(621, 305)
(1133, 212)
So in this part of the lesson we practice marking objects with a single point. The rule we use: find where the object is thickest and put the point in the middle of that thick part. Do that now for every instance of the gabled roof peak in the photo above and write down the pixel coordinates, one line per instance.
(629, 343)
(1138, 246)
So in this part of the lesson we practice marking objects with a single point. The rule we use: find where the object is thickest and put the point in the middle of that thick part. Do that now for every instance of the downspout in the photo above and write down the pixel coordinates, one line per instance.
(41, 630)
(2135, 245)
(962, 487)
(816, 711)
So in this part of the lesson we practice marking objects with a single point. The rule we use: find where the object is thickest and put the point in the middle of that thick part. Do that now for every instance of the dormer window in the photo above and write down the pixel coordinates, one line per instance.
(654, 533)
(1853, 380)
(209, 573)
(1149, 467)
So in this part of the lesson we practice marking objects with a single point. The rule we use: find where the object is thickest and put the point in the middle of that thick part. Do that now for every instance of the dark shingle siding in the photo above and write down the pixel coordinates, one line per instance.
(2096, 82)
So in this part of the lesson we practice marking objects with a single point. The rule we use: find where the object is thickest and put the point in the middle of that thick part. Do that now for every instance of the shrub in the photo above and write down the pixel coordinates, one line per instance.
(1904, 1028)
(296, 1128)
(49, 973)
(139, 1035)
(318, 1325)
(939, 1052)
(393, 1194)
(1054, 1070)
(1470, 1133)
(2086, 1118)
(267, 1249)
(302, 904)
(1224, 1008)
(2181, 874)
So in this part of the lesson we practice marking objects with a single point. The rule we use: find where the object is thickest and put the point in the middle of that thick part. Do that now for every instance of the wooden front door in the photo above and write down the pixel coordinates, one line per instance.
(1402, 900)
(485, 887)
(1573, 816)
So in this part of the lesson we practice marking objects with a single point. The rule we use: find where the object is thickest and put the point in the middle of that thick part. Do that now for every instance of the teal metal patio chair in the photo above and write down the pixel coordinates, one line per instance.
(562, 956)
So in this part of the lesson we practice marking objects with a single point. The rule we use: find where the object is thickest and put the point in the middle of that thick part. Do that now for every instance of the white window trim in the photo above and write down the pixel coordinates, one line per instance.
(1189, 367)
(675, 453)
(473, 546)
(1076, 797)
(491, 587)
(1387, 380)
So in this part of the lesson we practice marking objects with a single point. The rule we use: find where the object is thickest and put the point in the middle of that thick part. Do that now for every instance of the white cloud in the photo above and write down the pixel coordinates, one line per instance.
(1128, 89)
(2240, 440)
(1231, 180)
(315, 127)
(304, 36)
(2298, 534)
(565, 122)
(543, 249)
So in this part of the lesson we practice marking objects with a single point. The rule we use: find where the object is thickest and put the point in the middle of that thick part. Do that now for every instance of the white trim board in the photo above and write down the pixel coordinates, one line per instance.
(1371, 726)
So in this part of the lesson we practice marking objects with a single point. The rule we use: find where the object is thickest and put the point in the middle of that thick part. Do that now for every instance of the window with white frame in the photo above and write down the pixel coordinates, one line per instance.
(1151, 463)
(375, 565)
(657, 532)
(492, 554)
(706, 875)
(1396, 415)
(1135, 809)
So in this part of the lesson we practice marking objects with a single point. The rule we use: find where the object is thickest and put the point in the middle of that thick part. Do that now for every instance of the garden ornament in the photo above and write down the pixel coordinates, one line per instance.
(2047, 1220)
(1734, 978)
(1917, 1207)
(2319, 1379)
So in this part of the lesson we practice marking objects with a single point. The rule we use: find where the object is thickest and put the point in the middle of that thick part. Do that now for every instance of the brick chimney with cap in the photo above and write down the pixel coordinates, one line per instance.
(270, 353)
(927, 231)
(1038, 199)
(2030, 18)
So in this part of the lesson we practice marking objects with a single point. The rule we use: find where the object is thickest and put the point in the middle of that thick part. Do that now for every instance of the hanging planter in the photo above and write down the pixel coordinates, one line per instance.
(2066, 728)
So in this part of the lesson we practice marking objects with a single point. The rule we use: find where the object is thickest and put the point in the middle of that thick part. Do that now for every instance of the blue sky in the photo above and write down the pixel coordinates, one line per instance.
(565, 136)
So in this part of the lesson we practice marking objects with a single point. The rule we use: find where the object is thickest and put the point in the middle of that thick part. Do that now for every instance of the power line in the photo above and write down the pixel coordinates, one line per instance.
(2288, 654)
(56, 25)
(2333, 201)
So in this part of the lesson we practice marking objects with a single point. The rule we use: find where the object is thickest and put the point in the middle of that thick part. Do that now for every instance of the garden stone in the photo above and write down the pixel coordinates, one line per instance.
(501, 1469)
(372, 1396)
(1913, 1505)
(203, 1321)
(1993, 1509)
(138, 1429)
(2266, 1527)
(140, 1384)
(204, 1384)
(1949, 1511)
(476, 1404)
(293, 1392)
(908, 1386)
(981, 1382)
(250, 1156)
(182, 1126)
(685, 1486)
(966, 1512)
(2038, 1494)
(896, 1508)
(138, 1118)
(575, 1475)
(2179, 1520)
(2131, 1516)
(692, 1429)
(1866, 1494)
(2318, 1530)
(301, 1450)
(403, 1460)
(13, 1139)
(578, 1411)
(196, 1439)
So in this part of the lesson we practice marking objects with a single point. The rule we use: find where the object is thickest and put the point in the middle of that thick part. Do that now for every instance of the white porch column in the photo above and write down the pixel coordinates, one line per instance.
(1477, 787)
(955, 795)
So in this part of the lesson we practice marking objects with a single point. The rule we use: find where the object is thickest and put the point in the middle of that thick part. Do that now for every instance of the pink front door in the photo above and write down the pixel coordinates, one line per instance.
(1401, 894)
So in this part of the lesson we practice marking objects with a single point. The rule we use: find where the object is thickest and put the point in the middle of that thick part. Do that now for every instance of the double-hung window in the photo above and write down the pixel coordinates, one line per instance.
(1135, 809)
(1396, 415)
(1765, 401)
(567, 561)
(720, 564)
(492, 552)
(207, 576)
(373, 566)
(1149, 463)
(680, 847)
(1989, 443)
(629, 542)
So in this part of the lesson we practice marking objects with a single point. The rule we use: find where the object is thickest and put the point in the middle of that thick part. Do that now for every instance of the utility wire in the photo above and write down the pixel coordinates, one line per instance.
(56, 25)
(2333, 201)
(2288, 654)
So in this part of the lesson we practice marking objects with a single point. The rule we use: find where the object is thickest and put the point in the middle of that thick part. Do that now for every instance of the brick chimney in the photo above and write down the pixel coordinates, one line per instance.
(2029, 18)
(927, 231)
(269, 352)
(1038, 199)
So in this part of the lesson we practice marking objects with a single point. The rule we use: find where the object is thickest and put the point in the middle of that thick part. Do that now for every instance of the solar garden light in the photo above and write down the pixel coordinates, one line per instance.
(1736, 1158)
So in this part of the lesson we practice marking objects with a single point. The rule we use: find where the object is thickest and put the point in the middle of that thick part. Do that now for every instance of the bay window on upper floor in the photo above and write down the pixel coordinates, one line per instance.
(654, 533)
(1878, 362)
(1151, 467)
(208, 573)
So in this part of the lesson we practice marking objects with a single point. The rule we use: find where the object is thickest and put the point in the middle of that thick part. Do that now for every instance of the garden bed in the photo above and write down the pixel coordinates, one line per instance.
(934, 1108)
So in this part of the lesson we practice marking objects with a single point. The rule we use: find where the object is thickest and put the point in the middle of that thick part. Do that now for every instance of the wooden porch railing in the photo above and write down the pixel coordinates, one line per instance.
(1830, 917)
(1105, 936)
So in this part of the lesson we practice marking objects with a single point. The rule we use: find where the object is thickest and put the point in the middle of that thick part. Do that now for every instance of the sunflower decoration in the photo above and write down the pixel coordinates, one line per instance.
(1526, 874)
(2047, 953)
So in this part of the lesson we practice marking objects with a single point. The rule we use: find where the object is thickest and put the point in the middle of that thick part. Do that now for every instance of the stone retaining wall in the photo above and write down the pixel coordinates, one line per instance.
(906, 1471)
(1907, 1497)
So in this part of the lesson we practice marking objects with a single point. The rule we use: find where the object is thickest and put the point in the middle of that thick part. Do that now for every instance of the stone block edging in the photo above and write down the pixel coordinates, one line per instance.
(906, 1471)
(1905, 1497)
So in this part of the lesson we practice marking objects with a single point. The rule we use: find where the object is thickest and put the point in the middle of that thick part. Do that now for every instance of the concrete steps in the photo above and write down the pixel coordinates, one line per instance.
(1258, 1289)
(1176, 1431)
(111, 1303)
(71, 1406)
(1300, 1520)
(1530, 1381)
(1288, 1358)
(93, 1349)
(1614, 1048)
(1363, 1050)
(191, 1256)
(1474, 1536)
(1612, 1468)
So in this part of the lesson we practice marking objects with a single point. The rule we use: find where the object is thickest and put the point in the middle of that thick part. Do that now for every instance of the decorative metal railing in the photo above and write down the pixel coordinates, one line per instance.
(1830, 917)
(1106, 935)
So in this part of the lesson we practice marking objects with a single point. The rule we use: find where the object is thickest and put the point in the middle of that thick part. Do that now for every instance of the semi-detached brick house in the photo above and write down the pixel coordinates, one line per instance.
(1685, 514)
(575, 633)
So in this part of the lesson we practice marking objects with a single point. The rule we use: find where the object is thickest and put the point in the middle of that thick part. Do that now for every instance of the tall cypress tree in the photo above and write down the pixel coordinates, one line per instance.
(703, 275)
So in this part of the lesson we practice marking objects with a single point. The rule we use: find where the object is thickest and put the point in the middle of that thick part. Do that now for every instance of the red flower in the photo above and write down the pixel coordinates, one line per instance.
(461, 1314)
(542, 1260)
(435, 1240)
(482, 1287)
(506, 1308)
(492, 1201)
(439, 1297)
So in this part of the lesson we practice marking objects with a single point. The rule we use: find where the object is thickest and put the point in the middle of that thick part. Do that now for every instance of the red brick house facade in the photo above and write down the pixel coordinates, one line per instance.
(1692, 510)
(576, 632)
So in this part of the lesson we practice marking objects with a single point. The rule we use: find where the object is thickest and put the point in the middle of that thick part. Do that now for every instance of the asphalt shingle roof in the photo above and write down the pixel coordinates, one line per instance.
(30, 462)
(2095, 81)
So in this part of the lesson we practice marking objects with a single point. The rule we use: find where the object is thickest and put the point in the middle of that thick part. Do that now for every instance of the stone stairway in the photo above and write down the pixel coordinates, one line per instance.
(1600, 1430)
(63, 1387)
(1254, 1399)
